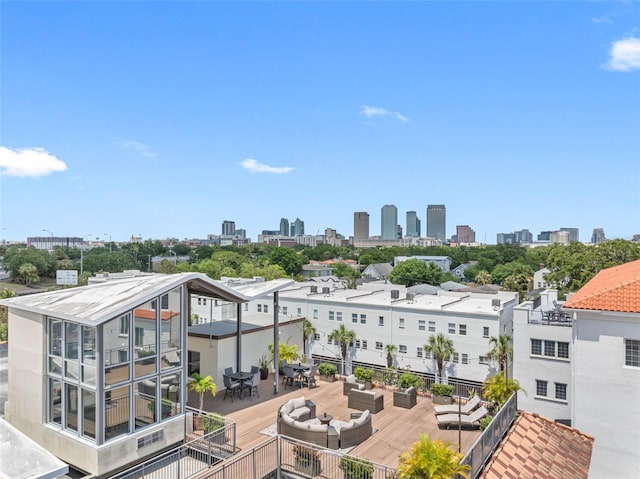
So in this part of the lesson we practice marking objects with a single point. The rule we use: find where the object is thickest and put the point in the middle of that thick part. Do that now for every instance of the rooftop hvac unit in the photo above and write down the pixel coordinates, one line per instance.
(326, 290)
(314, 289)
(395, 293)
(495, 303)
(410, 297)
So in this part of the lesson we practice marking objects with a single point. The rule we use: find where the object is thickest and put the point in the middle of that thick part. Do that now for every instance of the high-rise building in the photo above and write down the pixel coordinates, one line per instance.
(297, 228)
(574, 234)
(284, 226)
(399, 232)
(523, 236)
(413, 225)
(360, 225)
(389, 222)
(505, 238)
(241, 233)
(437, 222)
(545, 236)
(465, 234)
(598, 236)
(228, 228)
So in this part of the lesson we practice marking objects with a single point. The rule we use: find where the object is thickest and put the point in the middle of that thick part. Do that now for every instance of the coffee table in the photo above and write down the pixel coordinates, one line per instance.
(325, 418)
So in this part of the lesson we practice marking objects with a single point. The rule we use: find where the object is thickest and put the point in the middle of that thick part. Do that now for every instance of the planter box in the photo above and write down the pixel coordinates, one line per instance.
(368, 385)
(264, 373)
(328, 378)
(437, 399)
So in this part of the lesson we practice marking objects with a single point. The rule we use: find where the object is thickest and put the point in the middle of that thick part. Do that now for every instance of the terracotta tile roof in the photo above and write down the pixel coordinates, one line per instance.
(612, 289)
(536, 447)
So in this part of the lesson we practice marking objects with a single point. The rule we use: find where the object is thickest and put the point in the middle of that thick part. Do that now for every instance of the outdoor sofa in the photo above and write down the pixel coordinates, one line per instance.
(365, 400)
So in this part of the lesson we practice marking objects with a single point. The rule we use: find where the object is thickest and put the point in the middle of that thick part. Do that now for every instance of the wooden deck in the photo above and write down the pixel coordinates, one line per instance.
(396, 428)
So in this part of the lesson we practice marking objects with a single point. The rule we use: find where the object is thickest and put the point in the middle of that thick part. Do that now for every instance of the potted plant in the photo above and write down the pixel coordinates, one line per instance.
(327, 372)
(264, 366)
(407, 380)
(364, 376)
(145, 355)
(307, 460)
(214, 423)
(356, 468)
(442, 393)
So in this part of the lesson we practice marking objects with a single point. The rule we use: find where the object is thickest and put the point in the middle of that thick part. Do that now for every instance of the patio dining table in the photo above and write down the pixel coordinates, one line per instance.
(241, 376)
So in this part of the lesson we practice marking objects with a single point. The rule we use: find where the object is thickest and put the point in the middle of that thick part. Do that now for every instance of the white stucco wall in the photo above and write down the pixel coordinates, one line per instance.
(607, 393)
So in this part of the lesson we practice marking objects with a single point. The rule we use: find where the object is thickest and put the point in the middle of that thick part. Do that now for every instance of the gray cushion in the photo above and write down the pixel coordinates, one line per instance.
(299, 412)
(318, 427)
(299, 402)
(288, 419)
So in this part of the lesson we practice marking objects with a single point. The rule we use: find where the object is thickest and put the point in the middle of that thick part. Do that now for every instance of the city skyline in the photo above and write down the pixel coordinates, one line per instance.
(163, 119)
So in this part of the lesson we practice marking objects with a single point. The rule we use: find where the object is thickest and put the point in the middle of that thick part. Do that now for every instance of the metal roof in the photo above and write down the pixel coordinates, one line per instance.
(97, 303)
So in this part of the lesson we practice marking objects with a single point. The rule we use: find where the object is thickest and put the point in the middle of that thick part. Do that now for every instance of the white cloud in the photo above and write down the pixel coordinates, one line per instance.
(625, 55)
(27, 162)
(252, 165)
(373, 111)
(138, 147)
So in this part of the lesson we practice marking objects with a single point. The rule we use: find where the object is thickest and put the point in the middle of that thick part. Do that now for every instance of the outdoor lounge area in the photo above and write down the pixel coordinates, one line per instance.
(394, 428)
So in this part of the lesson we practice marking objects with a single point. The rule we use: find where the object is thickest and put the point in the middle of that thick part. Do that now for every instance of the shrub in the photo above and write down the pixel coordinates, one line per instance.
(327, 369)
(212, 422)
(363, 374)
(143, 353)
(356, 468)
(442, 389)
(408, 380)
(485, 421)
(4, 332)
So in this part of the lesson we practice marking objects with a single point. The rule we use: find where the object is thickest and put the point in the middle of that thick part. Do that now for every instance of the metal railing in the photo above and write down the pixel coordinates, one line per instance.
(285, 457)
(481, 450)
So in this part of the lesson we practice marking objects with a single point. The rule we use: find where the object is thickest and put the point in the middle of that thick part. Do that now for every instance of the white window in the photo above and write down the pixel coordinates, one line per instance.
(401, 323)
(259, 308)
(299, 311)
(465, 358)
(536, 346)
(485, 331)
(357, 343)
(632, 352)
(329, 341)
(363, 319)
(563, 350)
(402, 349)
(266, 308)
(483, 360)
(452, 328)
(338, 315)
(364, 344)
(456, 358)
(541, 388)
(316, 337)
(354, 317)
(422, 326)
(549, 348)
(246, 306)
(427, 355)
(462, 329)
(419, 352)
(315, 314)
(331, 315)
(378, 344)
(284, 310)
(561, 391)
(432, 326)
(380, 320)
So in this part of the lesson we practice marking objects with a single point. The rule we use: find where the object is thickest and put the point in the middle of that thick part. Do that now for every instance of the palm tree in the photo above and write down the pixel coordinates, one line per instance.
(307, 332)
(483, 277)
(498, 389)
(442, 349)
(431, 459)
(202, 384)
(345, 338)
(502, 351)
(390, 349)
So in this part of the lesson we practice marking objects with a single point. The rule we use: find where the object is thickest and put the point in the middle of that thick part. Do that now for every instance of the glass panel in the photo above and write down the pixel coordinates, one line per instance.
(71, 370)
(170, 391)
(116, 412)
(146, 395)
(55, 337)
(71, 407)
(171, 321)
(89, 408)
(145, 366)
(88, 345)
(71, 340)
(55, 365)
(89, 375)
(55, 404)
(116, 349)
(171, 359)
(145, 323)
(194, 362)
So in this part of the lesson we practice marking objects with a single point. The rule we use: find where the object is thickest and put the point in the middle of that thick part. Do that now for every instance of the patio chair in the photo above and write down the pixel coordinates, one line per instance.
(230, 387)
(228, 371)
(309, 377)
(290, 376)
(255, 369)
(252, 384)
(469, 420)
(468, 408)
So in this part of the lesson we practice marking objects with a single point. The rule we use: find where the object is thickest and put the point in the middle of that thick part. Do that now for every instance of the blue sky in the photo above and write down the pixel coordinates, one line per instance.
(163, 119)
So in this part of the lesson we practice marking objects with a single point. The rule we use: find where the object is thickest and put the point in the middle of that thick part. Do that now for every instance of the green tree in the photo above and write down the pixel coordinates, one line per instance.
(415, 271)
(168, 267)
(501, 351)
(288, 259)
(202, 385)
(307, 332)
(498, 389)
(519, 282)
(442, 349)
(44, 261)
(390, 349)
(286, 351)
(28, 274)
(4, 314)
(431, 459)
(345, 338)
(483, 277)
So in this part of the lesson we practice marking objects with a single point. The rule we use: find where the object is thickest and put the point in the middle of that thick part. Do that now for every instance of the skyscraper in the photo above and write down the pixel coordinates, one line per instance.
(598, 235)
(297, 228)
(360, 225)
(413, 225)
(465, 234)
(284, 226)
(228, 228)
(437, 222)
(389, 222)
(574, 234)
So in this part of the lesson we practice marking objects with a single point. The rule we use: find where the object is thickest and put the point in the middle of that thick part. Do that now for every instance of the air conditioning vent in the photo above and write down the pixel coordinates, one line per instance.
(314, 289)
(150, 438)
(395, 294)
